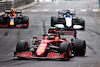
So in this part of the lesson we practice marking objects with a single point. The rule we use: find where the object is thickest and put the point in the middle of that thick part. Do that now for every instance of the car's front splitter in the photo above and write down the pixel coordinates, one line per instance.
(14, 26)
(28, 54)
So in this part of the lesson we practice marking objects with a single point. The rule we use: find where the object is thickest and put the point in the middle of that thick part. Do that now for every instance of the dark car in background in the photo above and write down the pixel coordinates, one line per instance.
(14, 19)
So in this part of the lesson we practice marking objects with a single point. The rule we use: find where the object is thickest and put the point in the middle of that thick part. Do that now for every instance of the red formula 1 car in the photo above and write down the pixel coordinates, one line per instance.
(14, 19)
(52, 46)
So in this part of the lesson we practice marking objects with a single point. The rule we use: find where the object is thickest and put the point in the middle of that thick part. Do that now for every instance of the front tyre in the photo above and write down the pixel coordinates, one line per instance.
(82, 22)
(1, 19)
(79, 47)
(54, 20)
(22, 45)
(65, 49)
(25, 20)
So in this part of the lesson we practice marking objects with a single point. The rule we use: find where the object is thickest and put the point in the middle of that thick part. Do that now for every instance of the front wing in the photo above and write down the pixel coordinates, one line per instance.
(14, 26)
(51, 55)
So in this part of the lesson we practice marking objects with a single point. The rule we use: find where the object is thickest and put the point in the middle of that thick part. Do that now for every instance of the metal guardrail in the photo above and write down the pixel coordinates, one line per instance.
(7, 4)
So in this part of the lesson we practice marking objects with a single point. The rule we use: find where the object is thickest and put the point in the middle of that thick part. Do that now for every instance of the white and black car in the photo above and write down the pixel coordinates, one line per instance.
(66, 18)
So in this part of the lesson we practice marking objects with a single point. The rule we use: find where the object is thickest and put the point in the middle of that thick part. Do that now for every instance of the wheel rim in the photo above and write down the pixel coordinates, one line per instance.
(69, 51)
(26, 46)
(84, 49)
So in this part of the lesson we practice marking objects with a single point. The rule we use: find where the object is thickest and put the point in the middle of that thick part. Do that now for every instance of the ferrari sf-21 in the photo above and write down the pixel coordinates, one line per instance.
(51, 46)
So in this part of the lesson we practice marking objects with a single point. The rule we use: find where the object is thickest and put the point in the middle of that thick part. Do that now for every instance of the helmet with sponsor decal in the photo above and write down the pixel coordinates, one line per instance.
(12, 12)
(52, 30)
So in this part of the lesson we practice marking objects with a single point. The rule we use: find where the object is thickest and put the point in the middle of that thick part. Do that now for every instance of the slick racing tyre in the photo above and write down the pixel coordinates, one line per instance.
(65, 48)
(79, 47)
(22, 45)
(25, 19)
(54, 20)
(82, 22)
(1, 19)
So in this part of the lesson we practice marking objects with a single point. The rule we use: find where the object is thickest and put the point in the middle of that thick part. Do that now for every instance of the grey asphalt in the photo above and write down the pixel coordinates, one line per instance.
(9, 37)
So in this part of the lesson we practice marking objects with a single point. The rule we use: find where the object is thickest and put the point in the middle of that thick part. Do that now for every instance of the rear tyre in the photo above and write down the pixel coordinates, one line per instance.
(22, 45)
(79, 47)
(25, 19)
(65, 48)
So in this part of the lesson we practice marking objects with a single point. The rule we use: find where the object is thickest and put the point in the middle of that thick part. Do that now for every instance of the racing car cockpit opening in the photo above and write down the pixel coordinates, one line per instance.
(50, 37)
(67, 15)
(12, 13)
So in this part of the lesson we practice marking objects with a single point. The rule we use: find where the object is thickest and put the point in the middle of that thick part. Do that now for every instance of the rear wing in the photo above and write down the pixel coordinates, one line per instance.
(64, 11)
(63, 32)
(16, 11)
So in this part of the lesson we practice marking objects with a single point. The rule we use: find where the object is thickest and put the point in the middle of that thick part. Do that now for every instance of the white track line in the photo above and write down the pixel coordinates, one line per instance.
(33, 10)
(25, 10)
(83, 10)
(95, 10)
(46, 10)
(58, 9)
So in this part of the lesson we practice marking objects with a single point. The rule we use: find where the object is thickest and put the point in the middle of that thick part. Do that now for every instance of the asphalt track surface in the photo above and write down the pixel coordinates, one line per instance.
(43, 12)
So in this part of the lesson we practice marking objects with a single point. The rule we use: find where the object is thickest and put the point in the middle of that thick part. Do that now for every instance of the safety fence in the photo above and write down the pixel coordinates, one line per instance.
(7, 4)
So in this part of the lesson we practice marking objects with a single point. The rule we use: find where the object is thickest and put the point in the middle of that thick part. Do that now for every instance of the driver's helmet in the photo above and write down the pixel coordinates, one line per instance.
(52, 30)
(68, 15)
(12, 8)
(12, 11)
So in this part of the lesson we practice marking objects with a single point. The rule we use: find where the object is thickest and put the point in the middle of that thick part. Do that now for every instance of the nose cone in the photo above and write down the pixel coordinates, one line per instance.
(41, 49)
(39, 54)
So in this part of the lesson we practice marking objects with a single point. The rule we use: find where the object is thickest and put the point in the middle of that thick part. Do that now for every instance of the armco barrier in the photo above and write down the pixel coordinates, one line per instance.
(13, 4)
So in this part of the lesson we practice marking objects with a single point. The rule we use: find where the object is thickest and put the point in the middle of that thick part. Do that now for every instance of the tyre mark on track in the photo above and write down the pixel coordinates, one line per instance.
(94, 32)
(18, 34)
(16, 62)
(9, 62)
(91, 49)
(5, 34)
